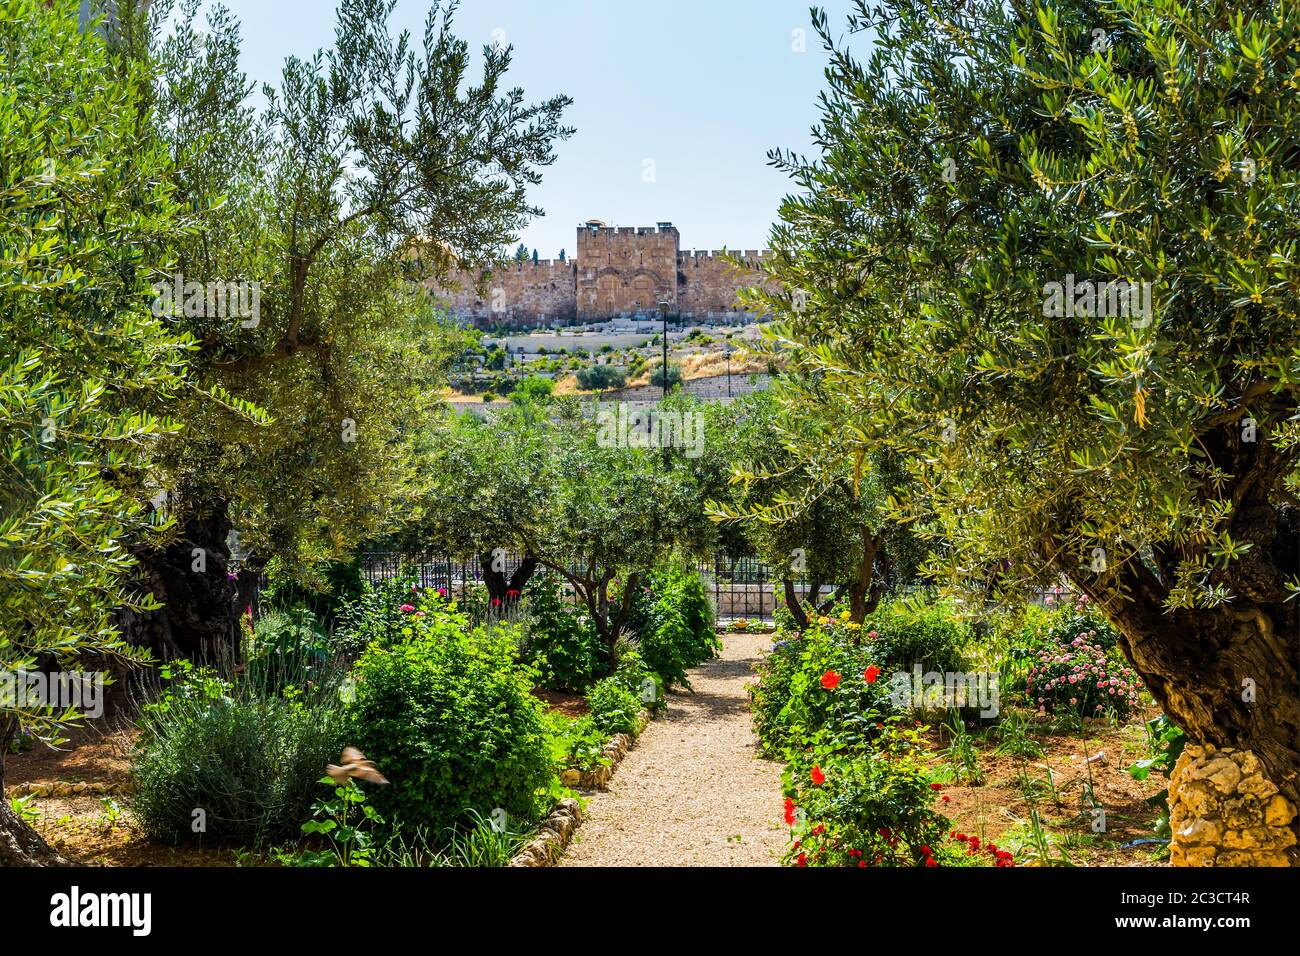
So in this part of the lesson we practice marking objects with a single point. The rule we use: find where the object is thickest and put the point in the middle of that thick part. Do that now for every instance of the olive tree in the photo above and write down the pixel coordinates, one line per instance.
(1047, 254)
(375, 165)
(811, 513)
(589, 503)
(88, 374)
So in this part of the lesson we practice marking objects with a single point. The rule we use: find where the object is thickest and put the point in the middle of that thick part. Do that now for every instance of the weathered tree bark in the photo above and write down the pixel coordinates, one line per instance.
(20, 845)
(794, 605)
(503, 589)
(199, 618)
(864, 589)
(1228, 676)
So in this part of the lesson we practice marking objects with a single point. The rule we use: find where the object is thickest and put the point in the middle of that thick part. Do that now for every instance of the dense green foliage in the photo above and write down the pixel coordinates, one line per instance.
(614, 707)
(234, 760)
(1045, 256)
(590, 507)
(673, 623)
(561, 642)
(597, 378)
(89, 377)
(448, 717)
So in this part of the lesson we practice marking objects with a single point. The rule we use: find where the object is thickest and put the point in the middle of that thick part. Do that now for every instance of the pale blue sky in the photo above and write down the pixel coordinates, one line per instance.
(702, 89)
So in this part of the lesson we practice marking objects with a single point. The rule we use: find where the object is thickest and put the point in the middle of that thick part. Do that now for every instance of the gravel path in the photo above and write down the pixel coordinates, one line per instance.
(693, 791)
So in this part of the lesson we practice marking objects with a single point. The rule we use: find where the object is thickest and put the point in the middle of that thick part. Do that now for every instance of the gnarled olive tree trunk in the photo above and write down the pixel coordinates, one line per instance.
(1228, 676)
(199, 618)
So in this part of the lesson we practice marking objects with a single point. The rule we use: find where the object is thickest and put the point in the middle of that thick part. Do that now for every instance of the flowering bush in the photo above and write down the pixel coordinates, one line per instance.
(376, 614)
(820, 688)
(963, 850)
(1080, 678)
(865, 810)
(1072, 620)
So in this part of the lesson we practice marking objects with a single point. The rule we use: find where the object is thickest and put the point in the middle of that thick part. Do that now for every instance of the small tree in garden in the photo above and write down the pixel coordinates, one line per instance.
(598, 378)
(810, 515)
(86, 370)
(600, 514)
(486, 481)
(1047, 258)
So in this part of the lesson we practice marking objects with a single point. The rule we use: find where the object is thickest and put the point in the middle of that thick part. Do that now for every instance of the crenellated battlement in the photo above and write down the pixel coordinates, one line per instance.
(618, 270)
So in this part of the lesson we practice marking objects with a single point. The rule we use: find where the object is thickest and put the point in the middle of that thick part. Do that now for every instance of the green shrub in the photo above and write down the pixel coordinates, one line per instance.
(322, 593)
(770, 694)
(448, 717)
(673, 623)
(1080, 620)
(614, 707)
(906, 634)
(599, 377)
(287, 646)
(561, 641)
(375, 614)
(576, 743)
(247, 753)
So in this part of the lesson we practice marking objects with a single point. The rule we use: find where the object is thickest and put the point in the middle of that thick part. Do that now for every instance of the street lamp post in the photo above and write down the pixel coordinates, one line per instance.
(663, 314)
(728, 349)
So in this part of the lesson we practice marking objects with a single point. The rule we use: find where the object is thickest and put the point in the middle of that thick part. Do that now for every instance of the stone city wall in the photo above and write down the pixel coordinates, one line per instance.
(618, 271)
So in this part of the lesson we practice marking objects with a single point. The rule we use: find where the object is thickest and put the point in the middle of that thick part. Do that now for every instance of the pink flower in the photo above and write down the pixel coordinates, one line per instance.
(406, 608)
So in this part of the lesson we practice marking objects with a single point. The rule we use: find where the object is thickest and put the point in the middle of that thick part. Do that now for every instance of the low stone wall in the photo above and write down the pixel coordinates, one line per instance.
(555, 833)
(597, 778)
(1224, 811)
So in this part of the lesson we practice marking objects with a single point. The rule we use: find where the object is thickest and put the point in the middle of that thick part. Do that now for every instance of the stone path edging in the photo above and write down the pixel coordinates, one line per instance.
(558, 828)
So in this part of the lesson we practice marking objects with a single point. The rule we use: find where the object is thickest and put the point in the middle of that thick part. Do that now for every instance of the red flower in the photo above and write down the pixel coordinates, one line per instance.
(819, 829)
(936, 786)
(871, 673)
(861, 863)
(930, 861)
(830, 680)
(496, 602)
(884, 833)
(802, 860)
(855, 853)
(789, 812)
(512, 593)
(818, 778)
(944, 798)
(925, 850)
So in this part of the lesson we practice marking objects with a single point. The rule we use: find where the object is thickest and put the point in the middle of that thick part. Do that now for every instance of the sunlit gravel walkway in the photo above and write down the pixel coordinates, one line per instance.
(693, 791)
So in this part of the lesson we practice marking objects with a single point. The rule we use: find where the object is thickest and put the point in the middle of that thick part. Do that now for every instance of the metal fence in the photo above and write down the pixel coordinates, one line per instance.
(740, 586)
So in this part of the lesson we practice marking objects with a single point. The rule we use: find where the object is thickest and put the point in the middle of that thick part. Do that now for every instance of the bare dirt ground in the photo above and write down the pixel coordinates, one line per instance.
(693, 791)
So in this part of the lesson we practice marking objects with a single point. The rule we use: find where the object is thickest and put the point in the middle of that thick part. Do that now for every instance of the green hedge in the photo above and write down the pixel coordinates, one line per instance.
(448, 717)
